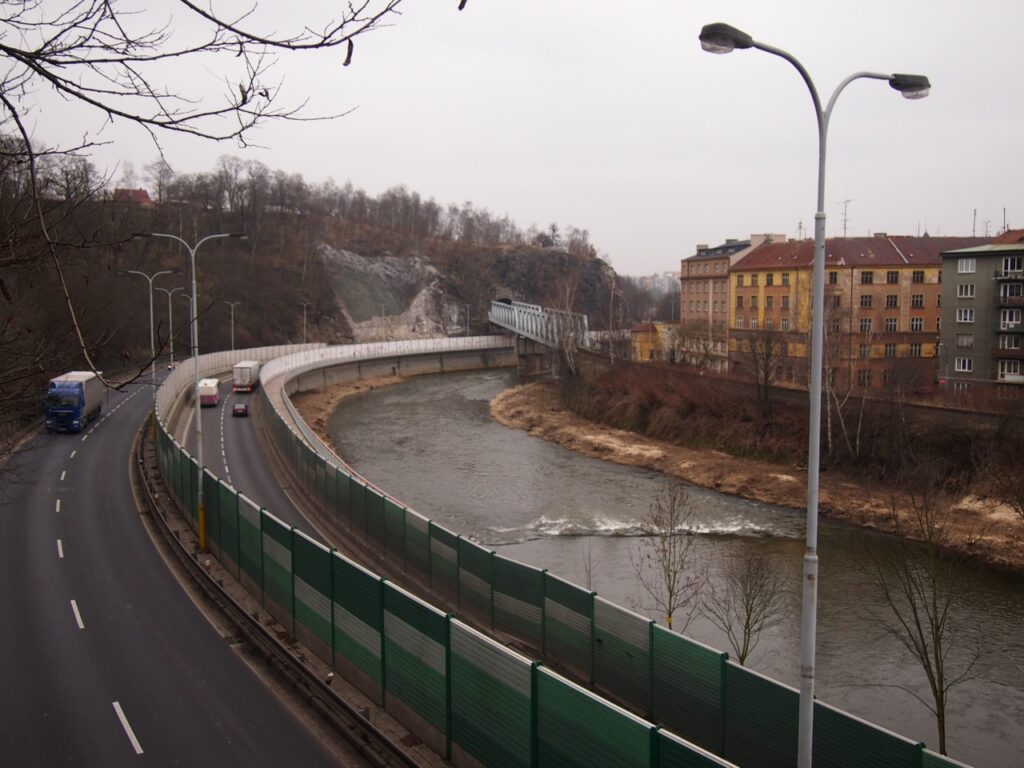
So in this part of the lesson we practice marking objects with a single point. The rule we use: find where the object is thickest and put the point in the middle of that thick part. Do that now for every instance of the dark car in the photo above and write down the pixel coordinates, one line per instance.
(240, 409)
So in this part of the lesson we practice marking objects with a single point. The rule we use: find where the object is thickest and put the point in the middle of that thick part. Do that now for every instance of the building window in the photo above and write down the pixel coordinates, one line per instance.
(753, 280)
(1013, 264)
(1010, 291)
(891, 325)
(964, 364)
(965, 340)
(864, 377)
(867, 277)
(784, 323)
(769, 279)
(892, 277)
(960, 386)
(768, 323)
(1009, 342)
(739, 321)
(965, 291)
(892, 301)
(865, 351)
(785, 302)
(917, 301)
(865, 325)
(785, 278)
(1009, 368)
(835, 325)
(835, 300)
(833, 278)
(890, 350)
(917, 324)
(1009, 318)
(965, 266)
(753, 322)
(915, 349)
(917, 276)
(965, 315)
(865, 301)
(753, 302)
(739, 302)
(769, 302)
(739, 281)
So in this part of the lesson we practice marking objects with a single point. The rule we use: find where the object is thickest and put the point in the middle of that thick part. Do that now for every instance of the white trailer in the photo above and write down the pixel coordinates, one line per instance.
(245, 376)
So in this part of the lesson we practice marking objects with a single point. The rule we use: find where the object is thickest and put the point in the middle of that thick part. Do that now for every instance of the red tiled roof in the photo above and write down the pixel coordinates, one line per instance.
(131, 196)
(1010, 237)
(856, 252)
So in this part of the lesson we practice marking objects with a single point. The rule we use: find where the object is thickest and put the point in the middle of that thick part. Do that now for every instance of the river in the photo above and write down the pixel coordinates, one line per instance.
(431, 442)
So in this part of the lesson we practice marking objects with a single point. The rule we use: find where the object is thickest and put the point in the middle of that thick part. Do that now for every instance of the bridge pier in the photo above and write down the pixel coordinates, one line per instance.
(536, 359)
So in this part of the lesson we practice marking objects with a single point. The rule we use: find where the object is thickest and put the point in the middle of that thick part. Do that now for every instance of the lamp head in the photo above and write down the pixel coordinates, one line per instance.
(911, 86)
(722, 38)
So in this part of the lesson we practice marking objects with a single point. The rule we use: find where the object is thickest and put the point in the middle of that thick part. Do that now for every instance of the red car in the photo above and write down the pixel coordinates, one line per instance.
(240, 409)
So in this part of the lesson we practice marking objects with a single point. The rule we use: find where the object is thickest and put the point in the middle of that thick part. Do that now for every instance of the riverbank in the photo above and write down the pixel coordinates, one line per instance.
(984, 530)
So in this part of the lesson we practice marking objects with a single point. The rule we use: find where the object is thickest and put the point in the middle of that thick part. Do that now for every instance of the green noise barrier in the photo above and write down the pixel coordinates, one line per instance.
(475, 701)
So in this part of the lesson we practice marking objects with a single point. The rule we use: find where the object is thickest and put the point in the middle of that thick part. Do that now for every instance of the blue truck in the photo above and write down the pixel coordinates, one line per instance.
(73, 400)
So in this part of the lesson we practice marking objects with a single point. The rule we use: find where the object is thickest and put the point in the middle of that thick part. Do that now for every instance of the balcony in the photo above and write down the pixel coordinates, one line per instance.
(1010, 301)
(1007, 354)
(1005, 274)
(1000, 326)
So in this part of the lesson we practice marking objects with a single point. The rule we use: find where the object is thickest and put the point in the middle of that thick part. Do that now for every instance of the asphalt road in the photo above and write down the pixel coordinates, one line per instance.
(231, 450)
(104, 659)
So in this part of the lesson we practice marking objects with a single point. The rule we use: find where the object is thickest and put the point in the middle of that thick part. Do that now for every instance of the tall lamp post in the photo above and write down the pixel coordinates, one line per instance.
(200, 502)
(722, 38)
(304, 306)
(170, 317)
(152, 344)
(232, 304)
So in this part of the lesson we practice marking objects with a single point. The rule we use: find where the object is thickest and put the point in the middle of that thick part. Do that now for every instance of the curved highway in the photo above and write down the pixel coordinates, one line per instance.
(105, 660)
(232, 451)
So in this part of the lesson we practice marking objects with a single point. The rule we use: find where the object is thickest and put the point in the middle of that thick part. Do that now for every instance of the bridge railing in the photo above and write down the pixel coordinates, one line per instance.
(473, 700)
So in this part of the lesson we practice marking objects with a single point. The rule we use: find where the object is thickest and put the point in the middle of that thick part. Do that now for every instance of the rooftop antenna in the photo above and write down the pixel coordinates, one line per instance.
(1005, 228)
(974, 224)
(846, 220)
(800, 230)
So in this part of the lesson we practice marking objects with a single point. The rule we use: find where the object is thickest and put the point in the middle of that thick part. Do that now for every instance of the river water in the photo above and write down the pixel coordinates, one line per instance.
(432, 443)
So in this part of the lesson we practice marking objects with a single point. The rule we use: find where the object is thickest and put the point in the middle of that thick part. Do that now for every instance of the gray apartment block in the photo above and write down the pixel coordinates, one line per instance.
(982, 332)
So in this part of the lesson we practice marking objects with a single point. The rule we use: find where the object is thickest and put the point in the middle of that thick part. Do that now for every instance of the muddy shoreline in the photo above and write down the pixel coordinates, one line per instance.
(986, 531)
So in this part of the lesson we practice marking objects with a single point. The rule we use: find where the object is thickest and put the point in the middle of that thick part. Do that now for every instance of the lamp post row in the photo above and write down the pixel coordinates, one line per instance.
(722, 38)
(200, 501)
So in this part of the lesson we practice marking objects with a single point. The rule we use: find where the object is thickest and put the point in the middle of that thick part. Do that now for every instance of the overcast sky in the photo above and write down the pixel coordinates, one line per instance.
(608, 116)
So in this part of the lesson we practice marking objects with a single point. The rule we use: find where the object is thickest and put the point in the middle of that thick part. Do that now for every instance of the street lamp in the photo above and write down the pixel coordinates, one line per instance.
(722, 38)
(467, 320)
(232, 305)
(200, 502)
(170, 318)
(152, 345)
(304, 306)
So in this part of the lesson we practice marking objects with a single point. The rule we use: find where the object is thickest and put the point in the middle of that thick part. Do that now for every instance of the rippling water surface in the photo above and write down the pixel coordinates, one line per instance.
(432, 444)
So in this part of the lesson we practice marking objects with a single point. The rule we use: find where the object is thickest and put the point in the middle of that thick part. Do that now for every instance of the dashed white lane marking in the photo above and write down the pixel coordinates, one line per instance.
(58, 505)
(78, 615)
(73, 454)
(60, 549)
(127, 728)
(85, 437)
(62, 474)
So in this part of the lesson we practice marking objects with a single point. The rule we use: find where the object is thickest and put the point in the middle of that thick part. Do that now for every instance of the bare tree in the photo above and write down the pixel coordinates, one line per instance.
(920, 579)
(1003, 472)
(663, 561)
(103, 55)
(750, 599)
(765, 350)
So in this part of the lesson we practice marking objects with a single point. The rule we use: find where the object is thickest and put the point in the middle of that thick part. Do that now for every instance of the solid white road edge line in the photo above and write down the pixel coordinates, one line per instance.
(127, 728)
(60, 549)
